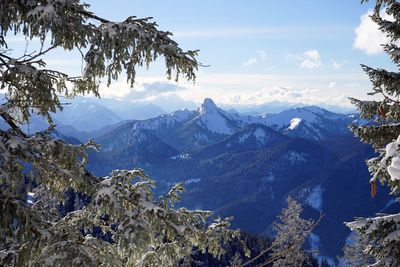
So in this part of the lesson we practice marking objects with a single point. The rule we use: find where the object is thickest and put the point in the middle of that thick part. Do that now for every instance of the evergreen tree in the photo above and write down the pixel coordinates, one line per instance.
(354, 252)
(382, 233)
(291, 233)
(140, 230)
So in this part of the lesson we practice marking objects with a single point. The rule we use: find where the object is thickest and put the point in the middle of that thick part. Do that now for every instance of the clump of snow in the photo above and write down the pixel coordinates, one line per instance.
(392, 153)
(294, 123)
(390, 162)
(314, 199)
(373, 223)
(30, 197)
(46, 12)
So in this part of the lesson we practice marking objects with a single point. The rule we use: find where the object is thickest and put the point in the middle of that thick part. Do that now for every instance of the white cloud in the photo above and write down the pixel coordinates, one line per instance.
(336, 65)
(270, 94)
(262, 55)
(250, 61)
(309, 64)
(368, 36)
(144, 88)
(310, 59)
(312, 54)
(245, 89)
(332, 84)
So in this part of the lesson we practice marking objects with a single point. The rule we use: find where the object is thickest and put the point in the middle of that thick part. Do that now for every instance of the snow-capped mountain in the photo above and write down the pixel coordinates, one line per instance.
(185, 130)
(308, 122)
(214, 119)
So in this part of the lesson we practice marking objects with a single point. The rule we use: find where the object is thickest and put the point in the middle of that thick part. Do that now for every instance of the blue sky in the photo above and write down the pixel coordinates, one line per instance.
(260, 51)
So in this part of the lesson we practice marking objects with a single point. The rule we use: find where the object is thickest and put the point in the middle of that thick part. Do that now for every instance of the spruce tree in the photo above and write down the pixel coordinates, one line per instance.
(355, 253)
(382, 233)
(291, 233)
(142, 230)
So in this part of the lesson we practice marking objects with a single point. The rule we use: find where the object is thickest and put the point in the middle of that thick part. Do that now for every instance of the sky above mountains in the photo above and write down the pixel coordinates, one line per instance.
(294, 52)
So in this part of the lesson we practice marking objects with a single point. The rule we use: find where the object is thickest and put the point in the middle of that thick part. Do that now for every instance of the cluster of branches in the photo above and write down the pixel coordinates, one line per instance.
(378, 239)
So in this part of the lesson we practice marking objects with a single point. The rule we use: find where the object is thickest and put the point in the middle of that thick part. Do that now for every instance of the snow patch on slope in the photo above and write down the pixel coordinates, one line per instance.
(314, 199)
(244, 137)
(294, 157)
(213, 120)
(259, 135)
(181, 156)
(193, 181)
(201, 137)
(314, 241)
(285, 117)
(294, 123)
(269, 178)
(329, 260)
(182, 114)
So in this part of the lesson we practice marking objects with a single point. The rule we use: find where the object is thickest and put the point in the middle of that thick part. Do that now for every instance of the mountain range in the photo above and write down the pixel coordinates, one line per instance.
(246, 166)
(243, 165)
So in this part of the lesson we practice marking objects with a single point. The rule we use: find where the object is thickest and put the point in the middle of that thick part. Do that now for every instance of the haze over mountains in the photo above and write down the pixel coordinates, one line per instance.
(239, 165)
(103, 112)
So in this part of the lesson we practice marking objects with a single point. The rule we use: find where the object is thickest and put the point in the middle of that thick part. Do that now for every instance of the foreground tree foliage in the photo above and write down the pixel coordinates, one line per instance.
(381, 235)
(140, 230)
